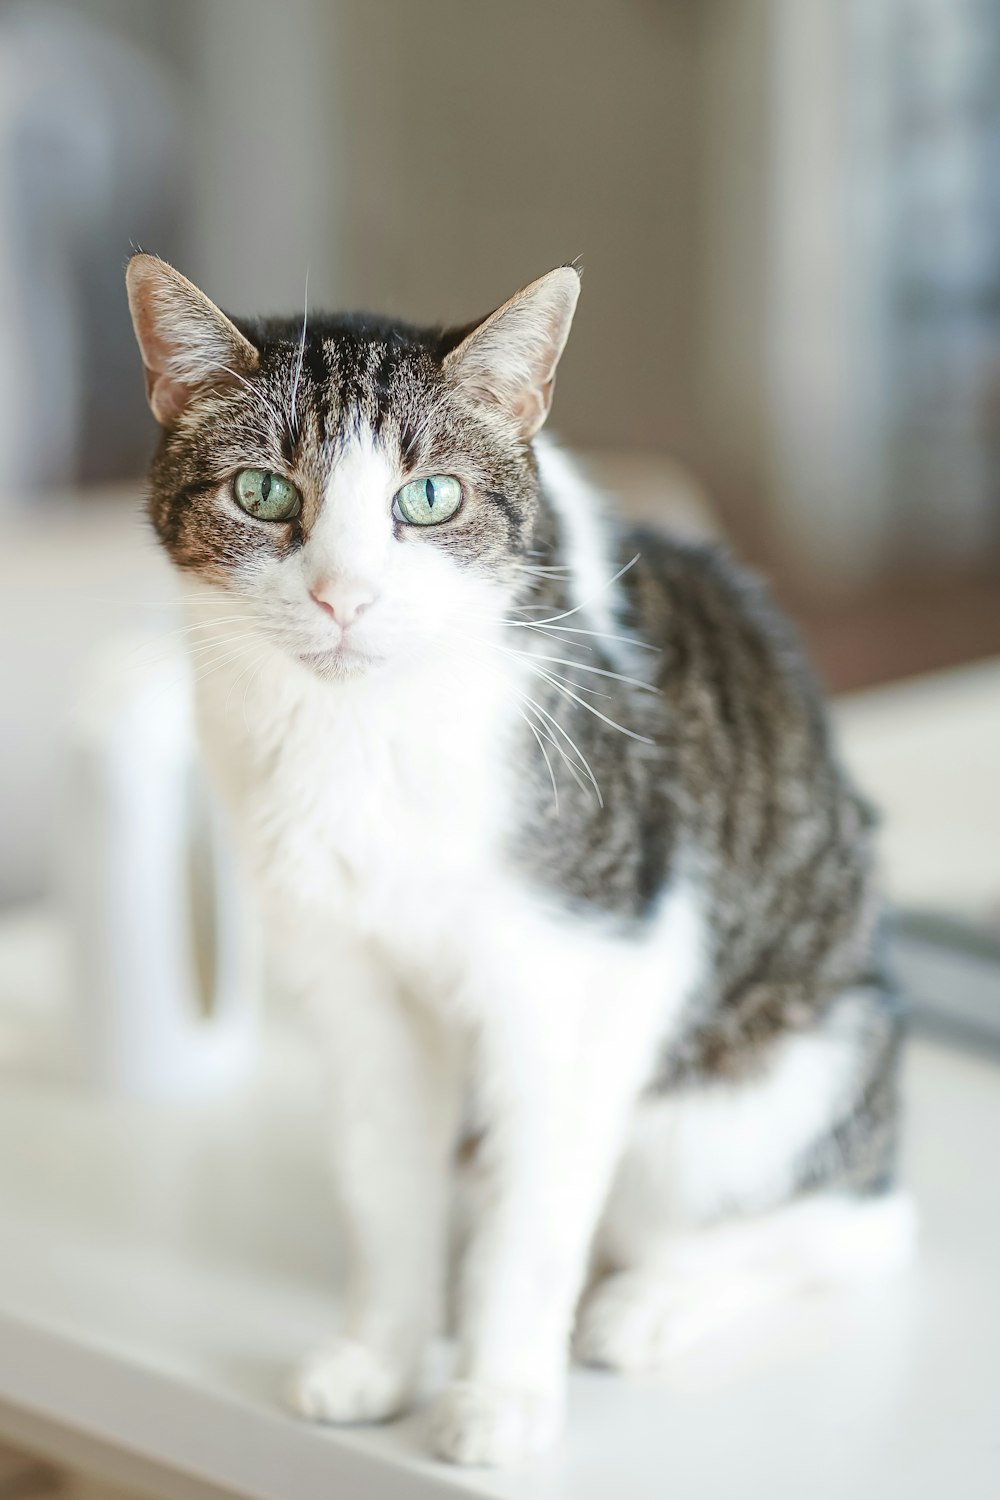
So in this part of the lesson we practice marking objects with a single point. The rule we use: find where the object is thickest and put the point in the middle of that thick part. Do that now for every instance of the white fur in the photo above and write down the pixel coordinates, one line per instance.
(583, 531)
(444, 989)
(695, 1154)
(683, 1265)
(689, 1287)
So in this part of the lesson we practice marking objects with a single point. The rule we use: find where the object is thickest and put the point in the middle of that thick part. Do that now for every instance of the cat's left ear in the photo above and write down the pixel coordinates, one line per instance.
(187, 344)
(509, 360)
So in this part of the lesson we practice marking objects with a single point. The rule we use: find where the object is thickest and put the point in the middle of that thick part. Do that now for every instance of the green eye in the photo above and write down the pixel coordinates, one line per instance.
(266, 496)
(425, 502)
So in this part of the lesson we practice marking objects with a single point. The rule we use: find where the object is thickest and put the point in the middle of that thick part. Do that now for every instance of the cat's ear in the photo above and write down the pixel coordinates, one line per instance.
(509, 360)
(187, 344)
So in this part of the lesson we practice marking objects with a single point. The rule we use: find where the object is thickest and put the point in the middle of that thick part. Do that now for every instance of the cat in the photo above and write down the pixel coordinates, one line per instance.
(548, 829)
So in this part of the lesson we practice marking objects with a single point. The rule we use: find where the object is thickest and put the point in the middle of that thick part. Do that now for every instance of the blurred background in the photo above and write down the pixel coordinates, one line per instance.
(788, 217)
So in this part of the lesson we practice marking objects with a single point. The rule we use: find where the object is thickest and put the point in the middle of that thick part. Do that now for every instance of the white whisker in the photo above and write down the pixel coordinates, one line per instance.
(612, 723)
(555, 635)
(582, 666)
(570, 765)
(256, 661)
(547, 675)
(595, 595)
(583, 762)
(293, 413)
(278, 421)
(545, 757)
(195, 649)
(180, 635)
(206, 670)
(543, 714)
(251, 682)
(604, 635)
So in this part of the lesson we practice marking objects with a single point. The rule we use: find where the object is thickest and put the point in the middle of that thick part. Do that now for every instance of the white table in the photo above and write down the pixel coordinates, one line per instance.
(927, 752)
(161, 1266)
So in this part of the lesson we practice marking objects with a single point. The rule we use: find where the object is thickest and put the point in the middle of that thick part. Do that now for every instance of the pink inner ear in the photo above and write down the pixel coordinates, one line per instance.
(167, 397)
(168, 391)
(530, 406)
(155, 349)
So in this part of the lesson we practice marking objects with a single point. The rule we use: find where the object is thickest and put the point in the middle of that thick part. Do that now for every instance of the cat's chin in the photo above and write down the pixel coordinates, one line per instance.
(342, 664)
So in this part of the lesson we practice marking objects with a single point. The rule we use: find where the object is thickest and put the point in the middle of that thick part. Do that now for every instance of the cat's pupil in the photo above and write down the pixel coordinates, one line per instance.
(265, 488)
(429, 491)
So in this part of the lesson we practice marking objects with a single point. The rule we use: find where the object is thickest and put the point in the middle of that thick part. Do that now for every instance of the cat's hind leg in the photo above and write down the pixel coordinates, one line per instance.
(640, 1316)
(736, 1193)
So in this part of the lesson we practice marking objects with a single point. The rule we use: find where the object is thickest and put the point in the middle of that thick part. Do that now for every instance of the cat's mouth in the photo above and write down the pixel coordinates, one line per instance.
(341, 662)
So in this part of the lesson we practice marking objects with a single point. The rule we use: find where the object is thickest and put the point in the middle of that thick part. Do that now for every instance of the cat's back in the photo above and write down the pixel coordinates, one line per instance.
(750, 754)
(739, 693)
(721, 637)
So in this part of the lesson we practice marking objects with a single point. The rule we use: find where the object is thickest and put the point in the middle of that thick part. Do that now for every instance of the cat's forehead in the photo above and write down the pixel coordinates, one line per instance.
(354, 370)
(346, 385)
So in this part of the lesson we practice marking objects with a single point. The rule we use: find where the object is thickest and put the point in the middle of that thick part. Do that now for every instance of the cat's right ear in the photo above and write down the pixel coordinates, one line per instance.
(509, 361)
(187, 344)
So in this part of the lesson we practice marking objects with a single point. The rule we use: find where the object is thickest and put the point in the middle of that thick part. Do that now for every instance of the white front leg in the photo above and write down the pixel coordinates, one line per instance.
(556, 1076)
(392, 1106)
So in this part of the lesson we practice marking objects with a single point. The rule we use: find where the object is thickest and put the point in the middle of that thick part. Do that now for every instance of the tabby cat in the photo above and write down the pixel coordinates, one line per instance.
(548, 829)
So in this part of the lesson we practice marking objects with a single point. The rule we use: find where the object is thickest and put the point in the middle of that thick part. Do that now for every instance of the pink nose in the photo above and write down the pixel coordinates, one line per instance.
(344, 600)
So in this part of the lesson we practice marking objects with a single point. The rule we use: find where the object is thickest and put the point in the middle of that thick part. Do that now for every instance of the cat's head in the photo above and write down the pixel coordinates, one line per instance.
(360, 488)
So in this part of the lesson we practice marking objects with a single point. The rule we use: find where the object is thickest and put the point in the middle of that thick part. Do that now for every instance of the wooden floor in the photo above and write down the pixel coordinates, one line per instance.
(23, 1477)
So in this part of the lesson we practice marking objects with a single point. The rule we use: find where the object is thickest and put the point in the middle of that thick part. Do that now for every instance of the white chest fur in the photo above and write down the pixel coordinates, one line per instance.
(380, 802)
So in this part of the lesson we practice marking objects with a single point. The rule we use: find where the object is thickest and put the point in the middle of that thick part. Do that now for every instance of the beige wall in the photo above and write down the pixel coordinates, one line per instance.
(729, 288)
(488, 143)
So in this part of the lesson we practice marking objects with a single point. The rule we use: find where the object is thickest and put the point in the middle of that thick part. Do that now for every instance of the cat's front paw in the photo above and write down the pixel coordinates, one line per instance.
(349, 1382)
(473, 1423)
